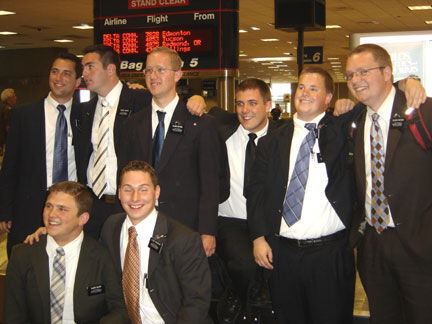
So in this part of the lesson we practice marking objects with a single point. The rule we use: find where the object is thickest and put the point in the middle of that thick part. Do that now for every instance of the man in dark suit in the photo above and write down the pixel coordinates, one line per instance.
(234, 246)
(170, 265)
(98, 143)
(312, 277)
(31, 161)
(67, 276)
(394, 177)
(183, 148)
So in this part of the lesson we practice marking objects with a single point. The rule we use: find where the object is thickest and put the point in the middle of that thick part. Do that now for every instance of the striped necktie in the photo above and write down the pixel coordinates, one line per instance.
(57, 288)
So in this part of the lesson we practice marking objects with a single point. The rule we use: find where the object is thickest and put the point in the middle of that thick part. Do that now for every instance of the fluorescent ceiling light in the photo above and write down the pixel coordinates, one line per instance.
(335, 63)
(270, 39)
(242, 31)
(272, 59)
(83, 26)
(288, 53)
(333, 26)
(5, 13)
(429, 22)
(332, 58)
(255, 28)
(63, 41)
(419, 7)
(242, 54)
(7, 33)
(80, 55)
(1, 46)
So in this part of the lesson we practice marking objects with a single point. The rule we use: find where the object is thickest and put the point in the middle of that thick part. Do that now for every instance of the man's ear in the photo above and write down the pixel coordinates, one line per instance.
(84, 217)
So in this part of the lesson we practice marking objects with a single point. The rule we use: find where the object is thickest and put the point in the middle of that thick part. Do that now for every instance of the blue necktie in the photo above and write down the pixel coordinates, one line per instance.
(158, 139)
(293, 202)
(60, 161)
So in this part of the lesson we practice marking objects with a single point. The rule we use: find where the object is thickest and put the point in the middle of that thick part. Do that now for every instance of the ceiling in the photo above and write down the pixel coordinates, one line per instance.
(39, 24)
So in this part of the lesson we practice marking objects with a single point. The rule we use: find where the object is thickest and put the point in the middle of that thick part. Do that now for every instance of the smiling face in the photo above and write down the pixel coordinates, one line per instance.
(162, 85)
(63, 80)
(137, 195)
(370, 89)
(252, 110)
(311, 97)
(62, 219)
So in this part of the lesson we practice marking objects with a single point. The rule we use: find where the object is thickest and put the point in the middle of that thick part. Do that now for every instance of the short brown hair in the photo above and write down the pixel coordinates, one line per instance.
(328, 80)
(82, 196)
(380, 55)
(176, 61)
(142, 166)
(260, 85)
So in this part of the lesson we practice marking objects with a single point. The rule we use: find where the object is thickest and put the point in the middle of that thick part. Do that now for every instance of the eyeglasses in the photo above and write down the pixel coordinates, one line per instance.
(361, 73)
(157, 70)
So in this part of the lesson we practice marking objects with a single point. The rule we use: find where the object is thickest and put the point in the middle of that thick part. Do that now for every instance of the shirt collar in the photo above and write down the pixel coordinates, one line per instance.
(54, 103)
(384, 111)
(169, 109)
(68, 248)
(259, 134)
(113, 95)
(301, 123)
(150, 220)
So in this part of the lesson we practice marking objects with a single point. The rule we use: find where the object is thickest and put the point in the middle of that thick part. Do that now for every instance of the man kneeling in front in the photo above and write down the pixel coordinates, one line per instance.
(166, 278)
(66, 277)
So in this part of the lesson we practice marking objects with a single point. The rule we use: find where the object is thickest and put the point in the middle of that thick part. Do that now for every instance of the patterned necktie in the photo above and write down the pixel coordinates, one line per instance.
(57, 289)
(60, 161)
(249, 160)
(131, 279)
(158, 139)
(293, 202)
(380, 214)
(99, 183)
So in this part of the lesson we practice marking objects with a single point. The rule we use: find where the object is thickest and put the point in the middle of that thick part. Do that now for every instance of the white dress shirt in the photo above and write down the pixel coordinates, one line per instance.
(51, 113)
(72, 252)
(168, 109)
(145, 229)
(235, 205)
(318, 218)
(384, 112)
(112, 98)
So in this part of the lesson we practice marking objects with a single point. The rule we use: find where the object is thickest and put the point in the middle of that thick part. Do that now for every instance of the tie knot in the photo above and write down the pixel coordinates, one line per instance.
(132, 232)
(375, 117)
(310, 126)
(104, 103)
(161, 115)
(60, 251)
(252, 136)
(61, 108)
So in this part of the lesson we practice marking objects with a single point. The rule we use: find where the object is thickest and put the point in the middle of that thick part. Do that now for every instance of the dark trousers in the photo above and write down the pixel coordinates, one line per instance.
(397, 283)
(313, 285)
(235, 249)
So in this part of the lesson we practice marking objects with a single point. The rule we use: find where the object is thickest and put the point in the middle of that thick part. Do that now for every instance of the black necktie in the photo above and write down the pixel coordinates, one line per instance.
(60, 161)
(249, 160)
(158, 139)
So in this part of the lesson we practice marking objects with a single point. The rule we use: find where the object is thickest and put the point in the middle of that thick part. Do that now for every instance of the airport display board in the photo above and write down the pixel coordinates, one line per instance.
(203, 32)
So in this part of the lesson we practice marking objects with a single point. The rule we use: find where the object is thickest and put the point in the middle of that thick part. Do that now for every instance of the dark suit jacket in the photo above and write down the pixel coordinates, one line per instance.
(178, 277)
(130, 102)
(407, 181)
(23, 175)
(188, 169)
(266, 192)
(228, 124)
(27, 293)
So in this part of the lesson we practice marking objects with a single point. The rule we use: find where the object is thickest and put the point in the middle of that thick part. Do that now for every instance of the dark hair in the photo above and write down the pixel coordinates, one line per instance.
(107, 55)
(82, 196)
(380, 55)
(258, 84)
(73, 58)
(136, 165)
(328, 80)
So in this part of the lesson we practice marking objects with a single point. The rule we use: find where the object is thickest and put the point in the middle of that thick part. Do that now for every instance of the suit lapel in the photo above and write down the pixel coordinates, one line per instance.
(41, 270)
(144, 133)
(84, 261)
(124, 110)
(171, 140)
(359, 157)
(285, 148)
(399, 107)
(160, 232)
(116, 243)
(40, 115)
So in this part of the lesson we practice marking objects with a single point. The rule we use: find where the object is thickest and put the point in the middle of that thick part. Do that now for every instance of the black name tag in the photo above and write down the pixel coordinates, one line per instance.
(95, 290)
(397, 121)
(177, 127)
(155, 245)
(124, 112)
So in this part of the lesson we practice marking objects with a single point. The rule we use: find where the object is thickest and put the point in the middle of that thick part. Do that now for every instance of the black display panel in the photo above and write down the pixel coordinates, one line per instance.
(204, 33)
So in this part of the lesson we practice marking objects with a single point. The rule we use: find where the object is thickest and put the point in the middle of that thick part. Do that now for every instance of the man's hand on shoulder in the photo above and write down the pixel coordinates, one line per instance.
(34, 237)
(5, 226)
(414, 92)
(135, 86)
(209, 244)
(263, 253)
(342, 106)
(196, 105)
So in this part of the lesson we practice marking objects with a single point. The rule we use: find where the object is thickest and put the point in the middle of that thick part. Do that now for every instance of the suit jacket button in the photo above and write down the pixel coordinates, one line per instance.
(279, 211)
(151, 290)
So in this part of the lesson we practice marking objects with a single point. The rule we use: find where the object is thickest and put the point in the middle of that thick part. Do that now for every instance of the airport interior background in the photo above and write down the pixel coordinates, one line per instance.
(32, 33)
